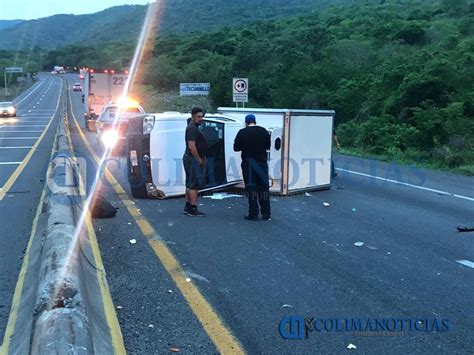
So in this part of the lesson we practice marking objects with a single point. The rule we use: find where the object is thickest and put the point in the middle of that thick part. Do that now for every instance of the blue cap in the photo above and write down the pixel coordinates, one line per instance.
(250, 119)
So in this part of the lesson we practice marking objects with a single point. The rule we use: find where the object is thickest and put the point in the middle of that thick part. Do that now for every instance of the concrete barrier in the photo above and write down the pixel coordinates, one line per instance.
(59, 311)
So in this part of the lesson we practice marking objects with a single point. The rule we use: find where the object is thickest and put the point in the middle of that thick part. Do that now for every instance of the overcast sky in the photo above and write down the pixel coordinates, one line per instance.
(33, 9)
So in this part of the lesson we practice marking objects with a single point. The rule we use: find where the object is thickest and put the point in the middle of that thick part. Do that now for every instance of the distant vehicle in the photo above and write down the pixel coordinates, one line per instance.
(7, 108)
(58, 70)
(77, 87)
(100, 88)
(112, 124)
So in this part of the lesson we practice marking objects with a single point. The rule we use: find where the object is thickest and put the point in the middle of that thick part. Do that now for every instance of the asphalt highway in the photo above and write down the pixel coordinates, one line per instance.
(386, 247)
(26, 142)
(375, 264)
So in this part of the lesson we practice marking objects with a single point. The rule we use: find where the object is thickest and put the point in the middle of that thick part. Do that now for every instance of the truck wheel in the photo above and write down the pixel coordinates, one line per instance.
(139, 192)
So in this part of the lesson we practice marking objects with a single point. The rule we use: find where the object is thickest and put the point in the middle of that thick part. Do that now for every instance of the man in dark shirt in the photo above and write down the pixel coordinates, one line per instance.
(194, 161)
(254, 141)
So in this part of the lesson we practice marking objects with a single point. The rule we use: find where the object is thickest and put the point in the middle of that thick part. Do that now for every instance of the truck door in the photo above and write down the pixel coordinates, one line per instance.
(275, 158)
(214, 135)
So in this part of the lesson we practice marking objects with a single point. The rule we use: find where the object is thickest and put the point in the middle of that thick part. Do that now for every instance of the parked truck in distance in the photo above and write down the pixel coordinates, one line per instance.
(101, 87)
(58, 70)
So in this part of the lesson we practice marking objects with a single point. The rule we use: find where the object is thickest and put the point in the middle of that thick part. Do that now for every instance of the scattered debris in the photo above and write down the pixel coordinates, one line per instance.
(354, 209)
(388, 253)
(170, 291)
(438, 274)
(201, 204)
(133, 241)
(129, 223)
(286, 306)
(170, 223)
(119, 307)
(465, 229)
(175, 350)
(371, 247)
(307, 194)
(359, 244)
(188, 279)
(151, 326)
(351, 347)
(326, 204)
(221, 196)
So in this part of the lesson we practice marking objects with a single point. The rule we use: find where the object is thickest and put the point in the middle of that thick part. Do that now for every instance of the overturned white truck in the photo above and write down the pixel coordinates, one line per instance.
(299, 158)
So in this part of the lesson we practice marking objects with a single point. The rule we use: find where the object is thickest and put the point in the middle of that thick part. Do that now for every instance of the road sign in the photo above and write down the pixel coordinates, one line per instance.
(14, 69)
(240, 89)
(192, 89)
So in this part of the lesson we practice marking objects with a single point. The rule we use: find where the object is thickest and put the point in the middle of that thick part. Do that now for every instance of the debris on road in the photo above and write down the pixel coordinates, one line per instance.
(221, 196)
(151, 326)
(308, 194)
(133, 241)
(119, 307)
(388, 253)
(359, 244)
(129, 223)
(170, 223)
(286, 306)
(175, 350)
(188, 279)
(351, 347)
(170, 291)
(354, 209)
(371, 247)
(326, 204)
(465, 229)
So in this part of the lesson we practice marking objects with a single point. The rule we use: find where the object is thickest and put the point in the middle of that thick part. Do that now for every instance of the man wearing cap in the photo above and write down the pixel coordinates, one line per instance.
(194, 161)
(254, 141)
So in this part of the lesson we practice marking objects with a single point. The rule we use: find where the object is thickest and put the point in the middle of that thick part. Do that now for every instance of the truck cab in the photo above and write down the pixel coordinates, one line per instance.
(155, 147)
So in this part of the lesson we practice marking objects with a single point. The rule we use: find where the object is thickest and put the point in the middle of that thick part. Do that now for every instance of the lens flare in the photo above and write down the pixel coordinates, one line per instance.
(144, 45)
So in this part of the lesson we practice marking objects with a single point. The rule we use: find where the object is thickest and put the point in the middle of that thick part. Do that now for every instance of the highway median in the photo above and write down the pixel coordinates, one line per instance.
(62, 303)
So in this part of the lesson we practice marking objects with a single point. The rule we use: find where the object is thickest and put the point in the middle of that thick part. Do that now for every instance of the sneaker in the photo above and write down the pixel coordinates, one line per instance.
(251, 218)
(195, 213)
(186, 209)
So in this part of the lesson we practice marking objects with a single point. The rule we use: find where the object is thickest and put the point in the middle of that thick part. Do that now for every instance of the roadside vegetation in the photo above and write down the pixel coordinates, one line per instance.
(399, 75)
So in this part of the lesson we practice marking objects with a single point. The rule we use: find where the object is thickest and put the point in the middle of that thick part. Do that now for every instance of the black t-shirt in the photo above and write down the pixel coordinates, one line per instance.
(253, 141)
(193, 133)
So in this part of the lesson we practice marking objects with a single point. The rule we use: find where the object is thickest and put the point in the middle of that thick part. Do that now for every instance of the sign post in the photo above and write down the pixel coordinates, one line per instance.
(10, 70)
(240, 90)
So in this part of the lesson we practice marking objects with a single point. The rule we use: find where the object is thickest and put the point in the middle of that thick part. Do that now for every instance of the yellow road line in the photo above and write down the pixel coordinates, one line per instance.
(220, 335)
(109, 309)
(11, 180)
(24, 268)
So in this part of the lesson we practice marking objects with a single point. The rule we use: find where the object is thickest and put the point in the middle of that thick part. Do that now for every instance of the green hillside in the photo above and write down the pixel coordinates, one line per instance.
(399, 75)
(123, 23)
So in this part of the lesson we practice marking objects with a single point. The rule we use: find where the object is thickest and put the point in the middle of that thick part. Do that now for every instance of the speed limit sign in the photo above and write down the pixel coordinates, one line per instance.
(240, 89)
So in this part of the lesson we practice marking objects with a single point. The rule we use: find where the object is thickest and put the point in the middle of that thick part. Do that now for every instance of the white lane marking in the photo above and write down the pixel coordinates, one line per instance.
(466, 263)
(409, 185)
(19, 147)
(10, 162)
(13, 138)
(23, 99)
(21, 131)
(13, 125)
